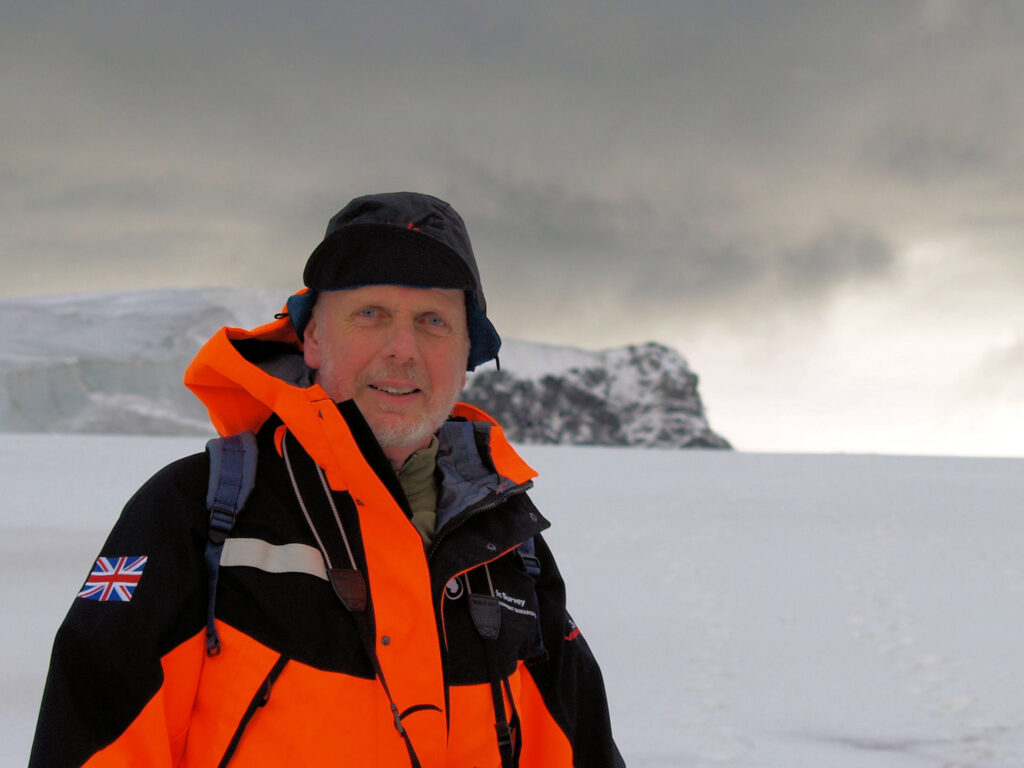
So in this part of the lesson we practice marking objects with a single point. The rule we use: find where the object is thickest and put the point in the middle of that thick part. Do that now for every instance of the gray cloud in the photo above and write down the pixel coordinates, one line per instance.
(923, 156)
(556, 237)
(836, 256)
(695, 153)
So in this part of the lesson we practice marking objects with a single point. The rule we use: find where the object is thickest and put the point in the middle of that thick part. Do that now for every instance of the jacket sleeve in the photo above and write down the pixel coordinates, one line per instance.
(564, 686)
(123, 672)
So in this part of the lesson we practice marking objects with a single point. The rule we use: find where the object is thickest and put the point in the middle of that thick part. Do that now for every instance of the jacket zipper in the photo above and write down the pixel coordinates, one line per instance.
(482, 506)
(260, 699)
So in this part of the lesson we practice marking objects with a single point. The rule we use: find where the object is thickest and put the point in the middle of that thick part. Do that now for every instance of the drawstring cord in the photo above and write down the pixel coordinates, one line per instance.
(350, 587)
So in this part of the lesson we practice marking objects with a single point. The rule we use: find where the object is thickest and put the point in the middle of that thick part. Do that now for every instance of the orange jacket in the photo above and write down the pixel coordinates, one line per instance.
(130, 683)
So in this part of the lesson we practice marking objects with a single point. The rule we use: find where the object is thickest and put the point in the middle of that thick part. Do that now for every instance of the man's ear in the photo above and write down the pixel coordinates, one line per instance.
(311, 343)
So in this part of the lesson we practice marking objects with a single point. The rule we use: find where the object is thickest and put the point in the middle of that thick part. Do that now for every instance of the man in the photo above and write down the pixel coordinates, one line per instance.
(384, 597)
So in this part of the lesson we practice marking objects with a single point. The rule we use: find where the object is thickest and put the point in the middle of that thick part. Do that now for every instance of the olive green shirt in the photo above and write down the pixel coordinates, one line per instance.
(418, 482)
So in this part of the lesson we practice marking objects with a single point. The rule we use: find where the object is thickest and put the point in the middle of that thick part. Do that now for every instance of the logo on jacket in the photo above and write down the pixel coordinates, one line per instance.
(113, 579)
(514, 604)
(453, 589)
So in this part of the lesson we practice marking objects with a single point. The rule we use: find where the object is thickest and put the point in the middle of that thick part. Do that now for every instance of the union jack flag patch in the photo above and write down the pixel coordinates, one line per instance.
(113, 579)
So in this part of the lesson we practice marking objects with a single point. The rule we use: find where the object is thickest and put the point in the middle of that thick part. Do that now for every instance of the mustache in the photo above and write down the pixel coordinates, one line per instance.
(405, 371)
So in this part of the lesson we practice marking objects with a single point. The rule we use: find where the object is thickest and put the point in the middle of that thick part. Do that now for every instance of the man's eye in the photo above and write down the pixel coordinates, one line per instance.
(367, 312)
(434, 321)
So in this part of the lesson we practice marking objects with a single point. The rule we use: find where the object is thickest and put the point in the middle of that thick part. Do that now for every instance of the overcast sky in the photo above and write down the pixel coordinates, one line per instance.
(820, 204)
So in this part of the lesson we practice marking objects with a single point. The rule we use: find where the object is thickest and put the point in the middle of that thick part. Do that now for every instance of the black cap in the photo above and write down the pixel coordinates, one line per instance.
(399, 238)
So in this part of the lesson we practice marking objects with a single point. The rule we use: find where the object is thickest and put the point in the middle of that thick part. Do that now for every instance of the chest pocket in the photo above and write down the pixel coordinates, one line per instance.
(491, 613)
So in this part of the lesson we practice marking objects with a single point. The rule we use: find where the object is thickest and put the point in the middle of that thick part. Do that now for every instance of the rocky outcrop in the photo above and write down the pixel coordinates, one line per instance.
(643, 395)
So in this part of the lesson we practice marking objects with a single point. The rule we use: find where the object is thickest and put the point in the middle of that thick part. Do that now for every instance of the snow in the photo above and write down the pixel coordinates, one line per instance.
(113, 362)
(754, 610)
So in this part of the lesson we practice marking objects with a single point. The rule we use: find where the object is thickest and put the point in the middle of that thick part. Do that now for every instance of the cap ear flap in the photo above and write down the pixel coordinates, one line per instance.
(484, 341)
(300, 310)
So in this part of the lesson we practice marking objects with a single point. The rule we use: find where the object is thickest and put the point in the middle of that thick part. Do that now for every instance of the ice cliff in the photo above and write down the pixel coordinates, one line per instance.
(114, 363)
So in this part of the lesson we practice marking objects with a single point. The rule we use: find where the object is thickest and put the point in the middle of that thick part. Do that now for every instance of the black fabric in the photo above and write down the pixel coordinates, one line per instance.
(516, 591)
(433, 228)
(106, 660)
(108, 654)
(315, 629)
(376, 254)
(399, 238)
(258, 351)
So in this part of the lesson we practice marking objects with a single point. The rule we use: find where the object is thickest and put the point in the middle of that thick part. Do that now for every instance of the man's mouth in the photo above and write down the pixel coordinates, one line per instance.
(394, 390)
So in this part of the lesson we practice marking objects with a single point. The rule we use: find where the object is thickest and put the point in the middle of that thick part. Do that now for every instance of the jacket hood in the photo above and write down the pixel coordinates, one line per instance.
(245, 376)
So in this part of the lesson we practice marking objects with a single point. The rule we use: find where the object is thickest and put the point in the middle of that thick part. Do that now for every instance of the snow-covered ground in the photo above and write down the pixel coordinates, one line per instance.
(754, 610)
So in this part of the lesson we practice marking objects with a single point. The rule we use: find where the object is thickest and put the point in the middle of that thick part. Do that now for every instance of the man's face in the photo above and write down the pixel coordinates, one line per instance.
(399, 352)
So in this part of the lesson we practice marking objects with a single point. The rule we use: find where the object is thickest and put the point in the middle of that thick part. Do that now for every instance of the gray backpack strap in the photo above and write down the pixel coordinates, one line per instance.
(232, 478)
(527, 552)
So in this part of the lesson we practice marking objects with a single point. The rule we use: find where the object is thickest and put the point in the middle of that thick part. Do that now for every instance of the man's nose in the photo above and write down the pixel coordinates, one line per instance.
(401, 344)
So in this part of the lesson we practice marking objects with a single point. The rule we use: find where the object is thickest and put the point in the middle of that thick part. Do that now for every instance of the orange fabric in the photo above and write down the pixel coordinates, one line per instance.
(156, 738)
(240, 396)
(321, 718)
(228, 683)
(472, 739)
(396, 565)
(544, 745)
(311, 717)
